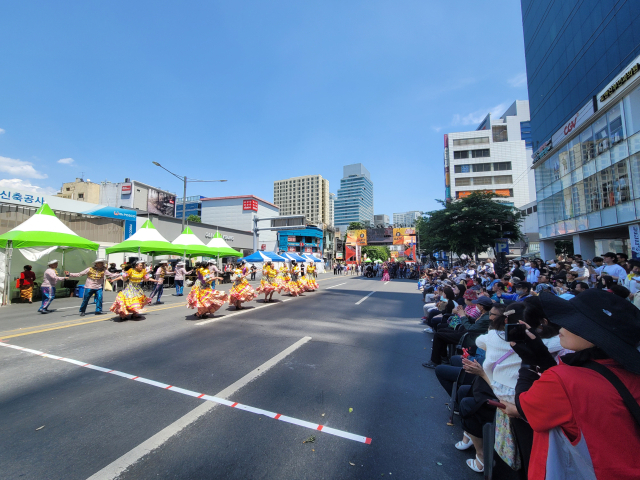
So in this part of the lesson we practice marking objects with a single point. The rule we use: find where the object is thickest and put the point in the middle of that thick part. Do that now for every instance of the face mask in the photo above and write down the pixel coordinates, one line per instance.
(519, 292)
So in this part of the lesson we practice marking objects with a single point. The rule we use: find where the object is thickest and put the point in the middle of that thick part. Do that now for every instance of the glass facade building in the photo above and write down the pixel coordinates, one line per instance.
(573, 49)
(354, 202)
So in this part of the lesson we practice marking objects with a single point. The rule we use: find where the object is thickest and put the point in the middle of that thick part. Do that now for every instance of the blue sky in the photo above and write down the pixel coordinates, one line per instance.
(251, 91)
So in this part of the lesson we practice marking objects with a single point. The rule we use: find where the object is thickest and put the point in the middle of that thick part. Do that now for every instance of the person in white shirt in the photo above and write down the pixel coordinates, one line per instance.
(532, 273)
(611, 268)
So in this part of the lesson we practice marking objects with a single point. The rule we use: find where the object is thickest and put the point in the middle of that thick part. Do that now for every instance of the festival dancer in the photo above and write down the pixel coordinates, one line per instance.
(132, 300)
(283, 280)
(180, 273)
(295, 278)
(385, 274)
(203, 296)
(48, 287)
(310, 278)
(94, 285)
(241, 291)
(162, 271)
(25, 282)
(268, 284)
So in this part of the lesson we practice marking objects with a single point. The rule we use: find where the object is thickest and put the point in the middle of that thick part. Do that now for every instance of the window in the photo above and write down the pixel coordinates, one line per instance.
(481, 167)
(498, 166)
(481, 180)
(68, 189)
(81, 195)
(462, 168)
(461, 154)
(499, 133)
(503, 179)
(463, 182)
(525, 134)
(632, 111)
(614, 117)
(587, 145)
(601, 135)
(470, 141)
(480, 153)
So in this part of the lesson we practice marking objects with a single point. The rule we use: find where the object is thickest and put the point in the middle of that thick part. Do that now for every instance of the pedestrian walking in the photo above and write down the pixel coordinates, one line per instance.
(25, 282)
(180, 273)
(253, 272)
(94, 285)
(161, 272)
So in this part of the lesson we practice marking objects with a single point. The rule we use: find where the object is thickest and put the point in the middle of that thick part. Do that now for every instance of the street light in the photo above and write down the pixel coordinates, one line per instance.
(184, 194)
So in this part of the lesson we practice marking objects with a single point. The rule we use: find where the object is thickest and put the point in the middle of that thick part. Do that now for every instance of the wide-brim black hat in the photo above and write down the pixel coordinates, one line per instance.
(602, 318)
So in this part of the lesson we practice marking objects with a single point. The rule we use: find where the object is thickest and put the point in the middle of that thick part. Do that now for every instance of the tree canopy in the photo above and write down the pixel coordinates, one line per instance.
(355, 226)
(469, 225)
(194, 219)
(377, 252)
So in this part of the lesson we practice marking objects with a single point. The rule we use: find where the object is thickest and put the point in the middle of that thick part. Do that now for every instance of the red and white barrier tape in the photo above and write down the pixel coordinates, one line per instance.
(221, 401)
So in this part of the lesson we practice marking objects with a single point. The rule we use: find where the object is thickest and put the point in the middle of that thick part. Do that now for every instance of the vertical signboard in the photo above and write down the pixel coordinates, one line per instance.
(634, 239)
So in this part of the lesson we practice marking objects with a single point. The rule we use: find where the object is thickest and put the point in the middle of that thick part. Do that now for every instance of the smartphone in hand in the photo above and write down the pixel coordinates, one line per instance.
(515, 332)
(496, 404)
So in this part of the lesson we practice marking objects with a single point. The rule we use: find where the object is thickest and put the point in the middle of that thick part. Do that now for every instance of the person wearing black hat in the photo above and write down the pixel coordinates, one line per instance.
(584, 411)
(446, 336)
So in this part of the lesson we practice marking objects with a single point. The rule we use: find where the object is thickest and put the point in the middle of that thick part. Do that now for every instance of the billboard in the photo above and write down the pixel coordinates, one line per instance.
(361, 237)
(400, 233)
(379, 235)
(250, 205)
(161, 203)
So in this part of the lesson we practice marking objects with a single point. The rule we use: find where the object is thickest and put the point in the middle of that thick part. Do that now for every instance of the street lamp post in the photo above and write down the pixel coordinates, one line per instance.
(184, 191)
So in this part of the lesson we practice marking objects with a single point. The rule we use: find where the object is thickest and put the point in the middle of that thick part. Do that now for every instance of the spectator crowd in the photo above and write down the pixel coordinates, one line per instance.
(541, 362)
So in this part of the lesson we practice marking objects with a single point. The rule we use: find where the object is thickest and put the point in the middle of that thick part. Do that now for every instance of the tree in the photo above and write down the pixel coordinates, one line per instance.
(194, 219)
(376, 252)
(564, 247)
(469, 225)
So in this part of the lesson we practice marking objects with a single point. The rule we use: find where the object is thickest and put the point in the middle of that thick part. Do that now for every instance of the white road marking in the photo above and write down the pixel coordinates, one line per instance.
(334, 286)
(386, 283)
(114, 469)
(364, 298)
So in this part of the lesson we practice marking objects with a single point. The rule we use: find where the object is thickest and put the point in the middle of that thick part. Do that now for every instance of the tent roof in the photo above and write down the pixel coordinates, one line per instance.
(294, 256)
(222, 247)
(261, 256)
(44, 229)
(192, 245)
(147, 240)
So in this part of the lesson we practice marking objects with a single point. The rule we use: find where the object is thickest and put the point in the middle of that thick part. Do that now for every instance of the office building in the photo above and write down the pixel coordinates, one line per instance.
(332, 206)
(406, 219)
(309, 240)
(381, 220)
(354, 202)
(494, 158)
(237, 213)
(81, 190)
(583, 65)
(193, 206)
(138, 196)
(308, 196)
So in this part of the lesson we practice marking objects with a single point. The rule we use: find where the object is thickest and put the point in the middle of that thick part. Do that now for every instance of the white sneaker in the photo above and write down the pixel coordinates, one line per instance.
(428, 330)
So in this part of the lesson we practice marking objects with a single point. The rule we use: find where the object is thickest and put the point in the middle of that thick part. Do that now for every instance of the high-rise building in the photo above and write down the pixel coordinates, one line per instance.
(308, 195)
(381, 220)
(407, 219)
(332, 206)
(355, 197)
(583, 72)
(495, 157)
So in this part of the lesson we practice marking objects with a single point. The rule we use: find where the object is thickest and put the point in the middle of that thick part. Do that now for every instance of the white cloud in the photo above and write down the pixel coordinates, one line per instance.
(66, 161)
(12, 184)
(474, 118)
(2, 130)
(19, 168)
(520, 80)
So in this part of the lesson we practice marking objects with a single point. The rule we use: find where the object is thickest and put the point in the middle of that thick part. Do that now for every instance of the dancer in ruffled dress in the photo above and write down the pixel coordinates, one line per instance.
(268, 284)
(385, 273)
(132, 300)
(310, 278)
(241, 291)
(295, 279)
(283, 280)
(203, 295)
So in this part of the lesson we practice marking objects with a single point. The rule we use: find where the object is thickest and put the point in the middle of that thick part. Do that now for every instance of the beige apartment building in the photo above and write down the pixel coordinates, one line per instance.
(308, 195)
(82, 190)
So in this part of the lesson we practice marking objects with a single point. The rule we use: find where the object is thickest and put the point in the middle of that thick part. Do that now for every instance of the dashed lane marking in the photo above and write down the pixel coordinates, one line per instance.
(210, 398)
(364, 298)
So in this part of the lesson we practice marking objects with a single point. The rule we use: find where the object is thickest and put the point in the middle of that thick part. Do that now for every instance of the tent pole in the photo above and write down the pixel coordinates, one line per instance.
(8, 251)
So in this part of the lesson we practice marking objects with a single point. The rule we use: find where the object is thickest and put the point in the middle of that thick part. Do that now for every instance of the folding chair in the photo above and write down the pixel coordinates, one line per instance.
(453, 403)
(488, 441)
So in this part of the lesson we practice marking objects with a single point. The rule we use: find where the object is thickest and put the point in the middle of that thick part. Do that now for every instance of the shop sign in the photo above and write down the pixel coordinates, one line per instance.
(611, 89)
(126, 188)
(308, 250)
(291, 249)
(291, 239)
(581, 116)
(544, 149)
(250, 205)
(339, 255)
(634, 239)
(263, 247)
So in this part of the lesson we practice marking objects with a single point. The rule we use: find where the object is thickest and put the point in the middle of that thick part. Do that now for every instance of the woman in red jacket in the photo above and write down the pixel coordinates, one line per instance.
(27, 277)
(584, 412)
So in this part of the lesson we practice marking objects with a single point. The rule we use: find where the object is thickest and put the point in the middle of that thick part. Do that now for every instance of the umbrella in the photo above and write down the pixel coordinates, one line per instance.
(293, 256)
(146, 240)
(310, 258)
(192, 245)
(222, 248)
(44, 229)
(261, 256)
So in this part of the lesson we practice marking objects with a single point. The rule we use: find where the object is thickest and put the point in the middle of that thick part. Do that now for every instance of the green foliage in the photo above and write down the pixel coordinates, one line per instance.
(564, 247)
(194, 219)
(356, 226)
(469, 225)
(376, 252)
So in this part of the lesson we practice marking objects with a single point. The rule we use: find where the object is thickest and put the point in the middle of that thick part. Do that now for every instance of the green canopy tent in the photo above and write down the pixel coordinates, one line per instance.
(43, 229)
(146, 240)
(222, 248)
(192, 246)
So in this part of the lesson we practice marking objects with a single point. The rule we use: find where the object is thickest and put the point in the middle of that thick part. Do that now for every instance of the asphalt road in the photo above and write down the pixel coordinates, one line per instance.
(359, 372)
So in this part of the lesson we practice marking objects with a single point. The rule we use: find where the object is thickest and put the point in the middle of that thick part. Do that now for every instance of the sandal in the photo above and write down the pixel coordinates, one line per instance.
(473, 463)
(461, 445)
